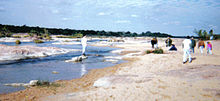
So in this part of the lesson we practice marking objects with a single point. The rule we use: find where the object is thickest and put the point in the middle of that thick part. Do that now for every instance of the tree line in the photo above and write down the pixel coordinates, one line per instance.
(8, 30)
(203, 34)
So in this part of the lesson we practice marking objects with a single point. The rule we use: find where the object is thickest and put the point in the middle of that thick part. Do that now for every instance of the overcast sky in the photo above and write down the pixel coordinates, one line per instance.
(175, 17)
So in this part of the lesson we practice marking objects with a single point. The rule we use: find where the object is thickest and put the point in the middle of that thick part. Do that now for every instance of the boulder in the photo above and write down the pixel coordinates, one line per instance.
(77, 59)
(33, 82)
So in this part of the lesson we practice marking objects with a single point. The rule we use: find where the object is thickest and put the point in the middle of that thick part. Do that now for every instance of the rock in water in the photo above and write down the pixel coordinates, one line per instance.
(77, 59)
(33, 82)
(55, 72)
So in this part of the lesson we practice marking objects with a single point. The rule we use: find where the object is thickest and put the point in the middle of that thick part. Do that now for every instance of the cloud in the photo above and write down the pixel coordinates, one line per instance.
(55, 11)
(66, 19)
(103, 13)
(171, 23)
(122, 21)
(212, 26)
(134, 16)
(2, 9)
(189, 26)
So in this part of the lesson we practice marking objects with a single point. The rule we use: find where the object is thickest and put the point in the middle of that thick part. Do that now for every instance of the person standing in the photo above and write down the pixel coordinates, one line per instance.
(168, 42)
(154, 42)
(209, 48)
(186, 50)
(193, 45)
(201, 45)
(84, 44)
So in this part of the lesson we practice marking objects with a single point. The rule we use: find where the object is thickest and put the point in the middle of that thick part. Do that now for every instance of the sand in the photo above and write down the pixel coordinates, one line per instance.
(146, 77)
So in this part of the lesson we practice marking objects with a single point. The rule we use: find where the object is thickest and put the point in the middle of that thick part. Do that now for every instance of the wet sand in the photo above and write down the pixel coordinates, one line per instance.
(146, 77)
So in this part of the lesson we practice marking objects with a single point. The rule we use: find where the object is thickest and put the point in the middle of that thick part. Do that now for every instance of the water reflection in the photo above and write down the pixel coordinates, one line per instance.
(83, 69)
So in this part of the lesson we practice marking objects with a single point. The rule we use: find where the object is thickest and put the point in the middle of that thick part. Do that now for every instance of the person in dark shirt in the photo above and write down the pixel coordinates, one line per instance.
(154, 42)
(168, 42)
(193, 45)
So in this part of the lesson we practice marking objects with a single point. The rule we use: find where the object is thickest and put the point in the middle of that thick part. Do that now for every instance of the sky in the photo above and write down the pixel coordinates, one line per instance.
(175, 17)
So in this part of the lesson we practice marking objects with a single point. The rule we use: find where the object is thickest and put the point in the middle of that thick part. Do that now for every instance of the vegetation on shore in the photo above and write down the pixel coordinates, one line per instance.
(45, 83)
(203, 34)
(7, 30)
(155, 51)
(38, 41)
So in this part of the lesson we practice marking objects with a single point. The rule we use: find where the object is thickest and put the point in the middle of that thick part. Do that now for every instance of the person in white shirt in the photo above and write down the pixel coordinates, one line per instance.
(84, 44)
(186, 50)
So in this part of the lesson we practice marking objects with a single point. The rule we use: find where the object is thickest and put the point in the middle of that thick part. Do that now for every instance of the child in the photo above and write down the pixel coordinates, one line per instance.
(209, 48)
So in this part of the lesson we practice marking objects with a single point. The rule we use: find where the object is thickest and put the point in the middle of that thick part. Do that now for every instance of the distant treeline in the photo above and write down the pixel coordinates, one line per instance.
(59, 31)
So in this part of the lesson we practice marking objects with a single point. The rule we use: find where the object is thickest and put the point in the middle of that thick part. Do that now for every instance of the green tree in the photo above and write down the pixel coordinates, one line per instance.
(205, 34)
(211, 32)
(5, 32)
(202, 34)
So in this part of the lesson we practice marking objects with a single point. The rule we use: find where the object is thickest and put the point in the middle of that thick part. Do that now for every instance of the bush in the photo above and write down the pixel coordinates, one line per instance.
(149, 51)
(155, 51)
(38, 41)
(158, 51)
(18, 42)
(42, 83)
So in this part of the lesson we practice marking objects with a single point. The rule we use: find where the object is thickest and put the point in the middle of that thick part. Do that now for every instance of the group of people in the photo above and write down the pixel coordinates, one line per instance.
(168, 44)
(201, 46)
(189, 46)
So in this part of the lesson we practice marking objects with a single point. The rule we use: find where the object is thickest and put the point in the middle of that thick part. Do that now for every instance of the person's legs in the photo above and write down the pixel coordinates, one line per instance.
(209, 51)
(155, 46)
(189, 56)
(152, 45)
(83, 49)
(184, 56)
(193, 50)
(201, 49)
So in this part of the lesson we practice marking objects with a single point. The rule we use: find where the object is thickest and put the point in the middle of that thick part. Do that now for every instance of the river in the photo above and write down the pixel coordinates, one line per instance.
(22, 71)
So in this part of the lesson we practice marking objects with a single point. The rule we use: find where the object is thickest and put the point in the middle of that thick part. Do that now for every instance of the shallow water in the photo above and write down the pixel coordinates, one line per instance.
(23, 71)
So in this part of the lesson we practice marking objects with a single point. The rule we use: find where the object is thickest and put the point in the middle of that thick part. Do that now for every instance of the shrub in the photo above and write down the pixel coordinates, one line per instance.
(38, 41)
(158, 51)
(155, 51)
(42, 83)
(148, 51)
(18, 42)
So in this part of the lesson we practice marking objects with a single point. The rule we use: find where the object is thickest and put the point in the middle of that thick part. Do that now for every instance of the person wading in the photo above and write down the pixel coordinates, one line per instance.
(84, 44)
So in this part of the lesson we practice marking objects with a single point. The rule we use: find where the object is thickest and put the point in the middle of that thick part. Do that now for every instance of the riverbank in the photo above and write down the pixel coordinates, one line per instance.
(153, 77)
